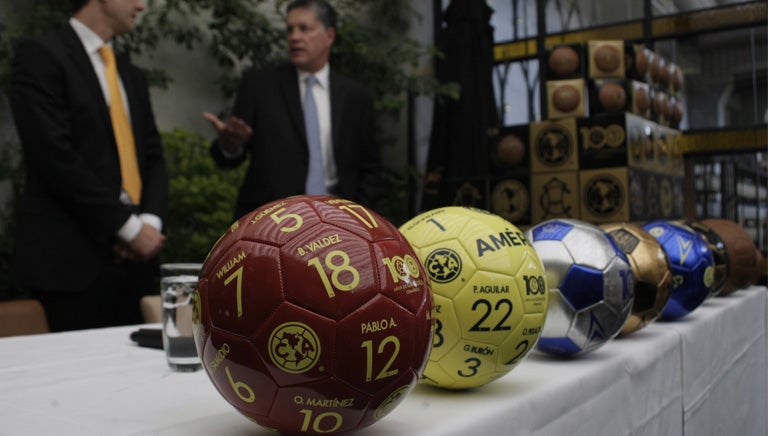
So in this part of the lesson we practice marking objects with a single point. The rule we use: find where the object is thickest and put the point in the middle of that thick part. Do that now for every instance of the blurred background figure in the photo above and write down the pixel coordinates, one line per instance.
(90, 219)
(301, 137)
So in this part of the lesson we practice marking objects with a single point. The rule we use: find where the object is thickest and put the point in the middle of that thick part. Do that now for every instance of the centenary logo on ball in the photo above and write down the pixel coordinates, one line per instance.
(404, 267)
(443, 265)
(294, 347)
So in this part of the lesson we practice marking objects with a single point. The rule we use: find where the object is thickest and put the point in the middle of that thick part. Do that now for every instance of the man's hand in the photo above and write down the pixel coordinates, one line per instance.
(232, 134)
(146, 245)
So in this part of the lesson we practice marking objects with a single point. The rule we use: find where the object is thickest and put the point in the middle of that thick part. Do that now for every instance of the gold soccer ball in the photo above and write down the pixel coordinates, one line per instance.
(650, 267)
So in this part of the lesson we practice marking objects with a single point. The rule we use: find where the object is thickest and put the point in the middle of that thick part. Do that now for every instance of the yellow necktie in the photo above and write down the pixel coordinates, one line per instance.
(126, 148)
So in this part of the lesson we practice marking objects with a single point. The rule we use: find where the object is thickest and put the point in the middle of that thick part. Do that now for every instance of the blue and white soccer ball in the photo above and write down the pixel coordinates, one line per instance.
(591, 287)
(691, 263)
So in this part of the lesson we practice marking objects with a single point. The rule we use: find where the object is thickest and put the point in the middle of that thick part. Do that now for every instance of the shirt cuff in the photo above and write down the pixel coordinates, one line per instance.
(132, 227)
(230, 155)
(152, 220)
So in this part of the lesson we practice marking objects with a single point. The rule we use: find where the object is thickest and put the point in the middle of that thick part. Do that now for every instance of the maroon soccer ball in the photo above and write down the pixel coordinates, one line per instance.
(313, 315)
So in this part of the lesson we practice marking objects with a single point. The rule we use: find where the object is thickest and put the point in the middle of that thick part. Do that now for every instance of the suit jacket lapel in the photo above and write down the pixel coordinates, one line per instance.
(289, 86)
(337, 102)
(83, 63)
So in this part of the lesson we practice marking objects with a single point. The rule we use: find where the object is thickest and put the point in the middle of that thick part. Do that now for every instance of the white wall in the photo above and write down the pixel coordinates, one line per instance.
(193, 91)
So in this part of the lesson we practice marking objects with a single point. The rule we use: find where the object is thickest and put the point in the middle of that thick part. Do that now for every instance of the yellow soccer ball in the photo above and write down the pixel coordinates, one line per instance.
(490, 294)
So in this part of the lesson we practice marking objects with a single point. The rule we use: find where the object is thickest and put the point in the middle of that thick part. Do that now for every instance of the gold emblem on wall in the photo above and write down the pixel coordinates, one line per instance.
(510, 200)
(605, 194)
(468, 195)
(553, 145)
(554, 195)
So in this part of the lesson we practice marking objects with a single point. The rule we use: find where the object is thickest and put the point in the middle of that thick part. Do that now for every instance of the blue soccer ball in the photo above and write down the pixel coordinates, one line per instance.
(692, 265)
(591, 286)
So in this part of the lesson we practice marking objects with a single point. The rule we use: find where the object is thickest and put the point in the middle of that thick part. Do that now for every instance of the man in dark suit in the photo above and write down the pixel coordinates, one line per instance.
(89, 228)
(267, 125)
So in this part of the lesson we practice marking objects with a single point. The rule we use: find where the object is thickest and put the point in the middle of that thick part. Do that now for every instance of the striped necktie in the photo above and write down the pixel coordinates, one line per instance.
(315, 183)
(126, 148)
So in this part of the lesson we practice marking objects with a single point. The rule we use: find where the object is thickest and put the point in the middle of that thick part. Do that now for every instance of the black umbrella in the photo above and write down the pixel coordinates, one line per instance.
(463, 129)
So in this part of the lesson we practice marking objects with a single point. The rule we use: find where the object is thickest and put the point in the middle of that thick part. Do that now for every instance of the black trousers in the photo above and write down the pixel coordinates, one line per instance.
(112, 300)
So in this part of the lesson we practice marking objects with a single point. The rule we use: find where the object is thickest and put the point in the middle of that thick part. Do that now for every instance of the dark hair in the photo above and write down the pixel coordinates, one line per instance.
(76, 5)
(322, 9)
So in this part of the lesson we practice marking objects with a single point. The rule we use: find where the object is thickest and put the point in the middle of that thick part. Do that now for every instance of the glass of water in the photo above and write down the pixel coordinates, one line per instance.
(177, 288)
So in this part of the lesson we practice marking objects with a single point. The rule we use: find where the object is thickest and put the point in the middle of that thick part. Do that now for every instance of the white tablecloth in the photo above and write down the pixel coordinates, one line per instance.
(702, 375)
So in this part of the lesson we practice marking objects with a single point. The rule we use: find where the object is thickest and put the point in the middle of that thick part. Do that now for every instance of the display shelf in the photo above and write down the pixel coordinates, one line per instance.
(733, 186)
(725, 140)
(727, 16)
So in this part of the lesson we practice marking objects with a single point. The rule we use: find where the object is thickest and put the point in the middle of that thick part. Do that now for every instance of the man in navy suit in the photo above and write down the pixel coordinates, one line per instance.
(267, 122)
(85, 246)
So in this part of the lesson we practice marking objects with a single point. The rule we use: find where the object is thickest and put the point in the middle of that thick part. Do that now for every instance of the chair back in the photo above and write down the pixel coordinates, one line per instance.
(22, 317)
(151, 308)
